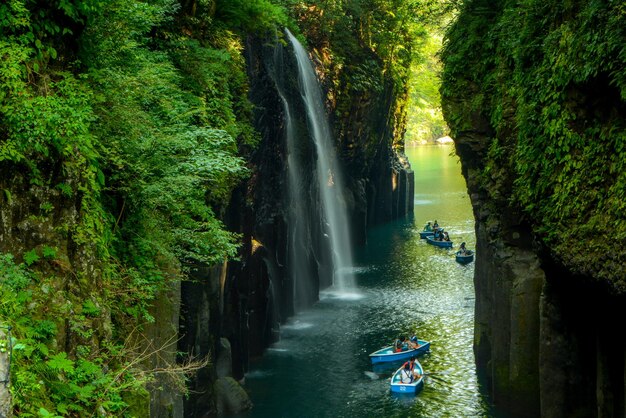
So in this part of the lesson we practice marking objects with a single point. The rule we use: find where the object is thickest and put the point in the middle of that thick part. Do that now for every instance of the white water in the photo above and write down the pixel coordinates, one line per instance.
(298, 216)
(328, 175)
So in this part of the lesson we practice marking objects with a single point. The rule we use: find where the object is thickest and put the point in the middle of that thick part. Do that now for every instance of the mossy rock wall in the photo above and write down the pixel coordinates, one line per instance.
(535, 95)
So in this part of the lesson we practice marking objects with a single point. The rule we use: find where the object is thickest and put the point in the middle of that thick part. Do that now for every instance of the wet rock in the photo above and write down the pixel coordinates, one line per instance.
(223, 364)
(231, 397)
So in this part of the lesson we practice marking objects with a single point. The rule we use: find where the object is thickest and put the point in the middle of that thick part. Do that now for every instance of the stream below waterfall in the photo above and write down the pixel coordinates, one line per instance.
(321, 368)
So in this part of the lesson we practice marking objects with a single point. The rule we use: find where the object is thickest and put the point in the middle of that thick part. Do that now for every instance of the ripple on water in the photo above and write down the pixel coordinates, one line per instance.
(296, 325)
(405, 287)
(259, 374)
(422, 202)
(337, 294)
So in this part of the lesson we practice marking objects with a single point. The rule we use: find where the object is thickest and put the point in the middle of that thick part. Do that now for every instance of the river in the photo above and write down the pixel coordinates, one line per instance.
(321, 368)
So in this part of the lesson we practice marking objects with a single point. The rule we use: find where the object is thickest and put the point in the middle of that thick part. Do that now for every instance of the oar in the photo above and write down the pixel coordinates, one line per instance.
(444, 372)
(428, 377)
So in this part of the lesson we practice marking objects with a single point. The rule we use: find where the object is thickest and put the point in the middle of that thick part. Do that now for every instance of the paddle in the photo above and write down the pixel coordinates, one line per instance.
(434, 375)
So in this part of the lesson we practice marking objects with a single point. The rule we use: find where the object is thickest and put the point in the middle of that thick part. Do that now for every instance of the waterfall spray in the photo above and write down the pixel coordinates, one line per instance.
(328, 173)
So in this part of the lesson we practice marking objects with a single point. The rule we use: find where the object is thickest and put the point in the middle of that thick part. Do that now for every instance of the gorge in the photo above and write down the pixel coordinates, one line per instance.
(537, 115)
(180, 180)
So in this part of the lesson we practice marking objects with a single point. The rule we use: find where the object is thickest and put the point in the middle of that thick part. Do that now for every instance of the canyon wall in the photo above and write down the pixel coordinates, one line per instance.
(255, 294)
(145, 227)
(540, 147)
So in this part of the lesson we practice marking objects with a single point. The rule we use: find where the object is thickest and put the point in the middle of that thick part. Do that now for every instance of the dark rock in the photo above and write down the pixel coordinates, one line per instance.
(231, 397)
(223, 364)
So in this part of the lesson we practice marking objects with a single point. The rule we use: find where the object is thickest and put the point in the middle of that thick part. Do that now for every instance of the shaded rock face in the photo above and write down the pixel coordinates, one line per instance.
(545, 341)
(165, 399)
(246, 301)
(199, 324)
(32, 217)
(232, 398)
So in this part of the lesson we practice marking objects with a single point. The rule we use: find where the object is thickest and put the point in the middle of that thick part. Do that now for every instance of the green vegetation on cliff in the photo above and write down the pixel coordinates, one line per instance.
(366, 49)
(545, 83)
(121, 121)
(124, 127)
(425, 119)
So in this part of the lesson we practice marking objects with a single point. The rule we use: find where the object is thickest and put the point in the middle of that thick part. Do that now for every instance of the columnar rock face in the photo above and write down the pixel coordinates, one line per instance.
(537, 115)
(5, 394)
(545, 339)
(246, 301)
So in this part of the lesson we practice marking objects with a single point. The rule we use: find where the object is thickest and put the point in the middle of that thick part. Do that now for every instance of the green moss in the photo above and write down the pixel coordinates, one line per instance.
(550, 82)
(123, 121)
(138, 402)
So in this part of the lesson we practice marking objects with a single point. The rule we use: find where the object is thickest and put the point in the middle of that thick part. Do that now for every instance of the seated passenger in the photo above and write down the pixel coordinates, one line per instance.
(406, 375)
(428, 227)
(397, 346)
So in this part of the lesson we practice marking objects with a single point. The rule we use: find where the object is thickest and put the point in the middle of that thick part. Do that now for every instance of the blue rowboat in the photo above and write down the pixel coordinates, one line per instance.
(468, 257)
(424, 234)
(387, 354)
(398, 387)
(443, 244)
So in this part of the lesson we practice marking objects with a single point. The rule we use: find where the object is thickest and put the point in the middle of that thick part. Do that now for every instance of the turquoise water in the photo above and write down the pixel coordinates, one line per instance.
(321, 368)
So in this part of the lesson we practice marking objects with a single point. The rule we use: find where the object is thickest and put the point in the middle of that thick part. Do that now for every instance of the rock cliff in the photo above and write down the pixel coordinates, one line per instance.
(246, 301)
(535, 150)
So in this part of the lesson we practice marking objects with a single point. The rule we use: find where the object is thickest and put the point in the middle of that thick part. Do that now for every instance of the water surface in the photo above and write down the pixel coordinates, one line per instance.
(321, 368)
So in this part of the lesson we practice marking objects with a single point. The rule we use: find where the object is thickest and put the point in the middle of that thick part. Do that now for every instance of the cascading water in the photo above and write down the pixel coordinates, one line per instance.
(328, 173)
(298, 256)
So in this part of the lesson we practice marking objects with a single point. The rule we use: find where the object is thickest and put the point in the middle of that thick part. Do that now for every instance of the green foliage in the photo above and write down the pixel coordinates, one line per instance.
(550, 81)
(30, 257)
(257, 16)
(45, 380)
(44, 26)
(425, 118)
(54, 125)
(114, 111)
(169, 167)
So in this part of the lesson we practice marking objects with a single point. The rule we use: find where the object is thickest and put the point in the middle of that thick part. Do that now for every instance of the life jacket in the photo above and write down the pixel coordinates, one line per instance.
(411, 366)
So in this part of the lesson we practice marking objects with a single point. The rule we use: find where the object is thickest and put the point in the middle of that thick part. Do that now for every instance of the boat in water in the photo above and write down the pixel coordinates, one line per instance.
(398, 386)
(464, 258)
(437, 243)
(424, 234)
(387, 354)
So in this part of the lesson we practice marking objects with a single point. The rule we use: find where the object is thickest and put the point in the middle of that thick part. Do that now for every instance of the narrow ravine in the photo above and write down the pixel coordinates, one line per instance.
(320, 367)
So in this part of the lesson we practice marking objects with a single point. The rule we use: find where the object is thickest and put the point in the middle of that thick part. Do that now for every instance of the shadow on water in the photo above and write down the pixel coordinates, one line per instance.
(321, 368)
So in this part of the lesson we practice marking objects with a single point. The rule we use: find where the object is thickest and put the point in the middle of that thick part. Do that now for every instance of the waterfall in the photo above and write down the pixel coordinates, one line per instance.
(328, 172)
(298, 256)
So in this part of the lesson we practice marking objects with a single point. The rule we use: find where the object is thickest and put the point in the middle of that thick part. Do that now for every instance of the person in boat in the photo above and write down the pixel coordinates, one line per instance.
(413, 373)
(436, 229)
(413, 343)
(428, 227)
(446, 237)
(401, 344)
(462, 249)
(406, 375)
(398, 344)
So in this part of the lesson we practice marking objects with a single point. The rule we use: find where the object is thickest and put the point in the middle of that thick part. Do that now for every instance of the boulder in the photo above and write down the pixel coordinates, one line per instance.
(231, 398)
